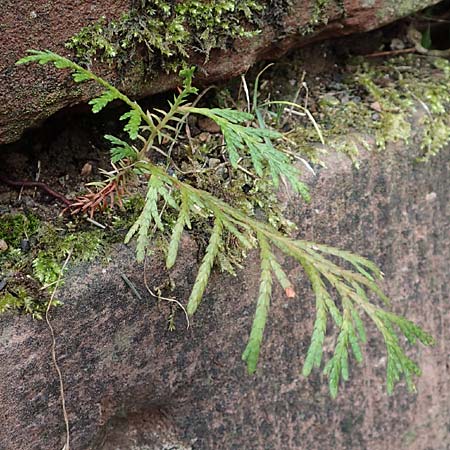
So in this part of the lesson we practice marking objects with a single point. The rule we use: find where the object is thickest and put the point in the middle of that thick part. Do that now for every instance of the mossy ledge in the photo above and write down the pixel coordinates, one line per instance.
(34, 250)
(377, 100)
(320, 13)
(164, 32)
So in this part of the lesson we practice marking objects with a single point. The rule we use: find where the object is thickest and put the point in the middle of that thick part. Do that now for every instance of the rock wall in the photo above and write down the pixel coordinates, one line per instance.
(31, 94)
(132, 384)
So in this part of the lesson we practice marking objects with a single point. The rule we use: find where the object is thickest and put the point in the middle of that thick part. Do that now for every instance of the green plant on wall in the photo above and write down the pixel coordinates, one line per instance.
(344, 284)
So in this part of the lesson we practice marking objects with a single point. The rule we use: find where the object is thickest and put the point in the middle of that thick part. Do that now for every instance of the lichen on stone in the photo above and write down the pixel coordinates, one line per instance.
(399, 8)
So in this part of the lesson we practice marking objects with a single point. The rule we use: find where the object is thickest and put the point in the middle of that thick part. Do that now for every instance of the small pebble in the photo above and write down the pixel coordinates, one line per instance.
(25, 245)
(207, 124)
(86, 170)
(3, 246)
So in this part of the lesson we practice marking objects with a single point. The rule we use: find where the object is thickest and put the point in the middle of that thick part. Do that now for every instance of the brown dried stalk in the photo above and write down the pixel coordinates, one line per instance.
(109, 195)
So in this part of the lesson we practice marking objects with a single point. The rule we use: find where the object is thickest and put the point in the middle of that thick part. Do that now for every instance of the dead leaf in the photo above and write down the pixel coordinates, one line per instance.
(376, 107)
(86, 170)
(289, 291)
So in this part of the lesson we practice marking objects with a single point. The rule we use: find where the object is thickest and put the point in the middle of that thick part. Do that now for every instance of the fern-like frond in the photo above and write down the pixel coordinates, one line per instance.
(81, 74)
(134, 118)
(242, 139)
(46, 57)
(351, 286)
(120, 149)
(315, 350)
(345, 285)
(187, 75)
(99, 103)
(150, 215)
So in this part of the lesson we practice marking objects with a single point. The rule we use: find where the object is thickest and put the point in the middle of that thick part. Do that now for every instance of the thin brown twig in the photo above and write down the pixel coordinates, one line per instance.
(392, 52)
(183, 120)
(131, 286)
(160, 297)
(38, 184)
(55, 362)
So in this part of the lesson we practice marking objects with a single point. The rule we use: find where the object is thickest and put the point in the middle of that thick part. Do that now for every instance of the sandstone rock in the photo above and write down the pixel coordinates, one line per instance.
(132, 384)
(31, 94)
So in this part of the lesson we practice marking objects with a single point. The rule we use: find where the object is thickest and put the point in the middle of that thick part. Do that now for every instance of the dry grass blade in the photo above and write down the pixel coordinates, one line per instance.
(55, 362)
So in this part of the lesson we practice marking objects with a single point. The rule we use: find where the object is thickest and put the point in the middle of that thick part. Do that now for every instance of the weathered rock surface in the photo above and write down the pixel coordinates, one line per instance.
(131, 384)
(31, 94)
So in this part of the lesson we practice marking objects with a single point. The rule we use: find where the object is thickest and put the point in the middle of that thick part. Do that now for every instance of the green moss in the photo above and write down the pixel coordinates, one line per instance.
(15, 227)
(380, 101)
(21, 300)
(31, 271)
(54, 248)
(319, 14)
(166, 31)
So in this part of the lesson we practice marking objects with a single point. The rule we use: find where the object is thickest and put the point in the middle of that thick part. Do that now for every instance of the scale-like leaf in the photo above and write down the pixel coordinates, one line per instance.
(149, 215)
(45, 57)
(121, 149)
(79, 77)
(315, 349)
(282, 278)
(205, 268)
(251, 352)
(182, 221)
(230, 115)
(245, 242)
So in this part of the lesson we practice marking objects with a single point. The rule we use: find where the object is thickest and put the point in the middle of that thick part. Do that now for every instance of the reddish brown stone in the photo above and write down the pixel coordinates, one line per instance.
(31, 94)
(131, 384)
